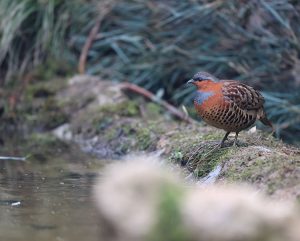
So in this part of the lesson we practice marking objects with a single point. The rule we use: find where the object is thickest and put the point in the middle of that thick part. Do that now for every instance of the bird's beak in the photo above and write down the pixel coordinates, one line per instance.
(191, 81)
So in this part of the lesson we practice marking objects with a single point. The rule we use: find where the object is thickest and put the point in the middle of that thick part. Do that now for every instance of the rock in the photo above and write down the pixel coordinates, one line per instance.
(128, 197)
(109, 123)
(85, 89)
(233, 213)
(63, 132)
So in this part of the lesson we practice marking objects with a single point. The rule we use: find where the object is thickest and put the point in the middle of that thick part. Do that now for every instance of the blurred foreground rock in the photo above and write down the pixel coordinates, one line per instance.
(128, 197)
(141, 200)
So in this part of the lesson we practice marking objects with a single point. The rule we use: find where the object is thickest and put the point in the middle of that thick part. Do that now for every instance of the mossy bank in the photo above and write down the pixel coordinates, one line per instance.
(105, 121)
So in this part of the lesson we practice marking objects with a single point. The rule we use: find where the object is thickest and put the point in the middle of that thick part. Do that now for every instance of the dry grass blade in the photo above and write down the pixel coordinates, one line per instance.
(104, 8)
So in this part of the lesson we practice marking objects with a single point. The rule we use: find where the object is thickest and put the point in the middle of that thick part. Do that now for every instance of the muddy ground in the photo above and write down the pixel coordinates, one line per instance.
(103, 120)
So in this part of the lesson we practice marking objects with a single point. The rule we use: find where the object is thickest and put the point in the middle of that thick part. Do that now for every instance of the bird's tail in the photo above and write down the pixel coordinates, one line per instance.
(262, 116)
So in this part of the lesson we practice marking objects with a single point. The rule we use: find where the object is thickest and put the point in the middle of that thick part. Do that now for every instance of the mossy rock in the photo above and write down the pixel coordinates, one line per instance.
(122, 125)
(127, 108)
(266, 167)
(44, 89)
(45, 115)
(43, 147)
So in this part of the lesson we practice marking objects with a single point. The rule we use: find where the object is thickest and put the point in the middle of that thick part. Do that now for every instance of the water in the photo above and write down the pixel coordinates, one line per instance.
(48, 200)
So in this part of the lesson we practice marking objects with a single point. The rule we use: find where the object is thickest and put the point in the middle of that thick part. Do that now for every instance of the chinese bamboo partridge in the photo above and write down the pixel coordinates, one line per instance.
(227, 104)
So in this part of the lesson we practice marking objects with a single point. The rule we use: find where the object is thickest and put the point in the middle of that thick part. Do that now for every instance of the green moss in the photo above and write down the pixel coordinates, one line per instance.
(198, 152)
(46, 140)
(127, 108)
(75, 104)
(129, 129)
(39, 108)
(213, 136)
(44, 89)
(123, 148)
(176, 156)
(53, 67)
(131, 109)
(44, 146)
(153, 111)
(101, 124)
(244, 174)
(121, 126)
(208, 161)
(169, 225)
(46, 114)
(110, 134)
(143, 136)
(271, 188)
(270, 171)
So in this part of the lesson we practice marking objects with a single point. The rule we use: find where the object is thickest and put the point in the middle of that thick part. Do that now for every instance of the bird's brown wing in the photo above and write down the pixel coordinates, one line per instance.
(244, 96)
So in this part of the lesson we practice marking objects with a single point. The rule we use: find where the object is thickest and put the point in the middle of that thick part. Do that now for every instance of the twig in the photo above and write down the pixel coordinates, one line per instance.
(104, 9)
(13, 158)
(172, 109)
(87, 45)
(14, 98)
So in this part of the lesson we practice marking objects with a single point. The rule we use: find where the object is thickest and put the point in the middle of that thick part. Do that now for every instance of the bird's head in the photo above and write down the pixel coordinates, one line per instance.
(201, 77)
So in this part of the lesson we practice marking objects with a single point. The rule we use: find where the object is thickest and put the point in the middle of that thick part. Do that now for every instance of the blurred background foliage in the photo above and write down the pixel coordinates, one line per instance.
(160, 44)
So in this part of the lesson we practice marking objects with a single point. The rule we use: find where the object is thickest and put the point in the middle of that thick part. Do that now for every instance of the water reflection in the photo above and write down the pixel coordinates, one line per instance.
(48, 200)
(49, 209)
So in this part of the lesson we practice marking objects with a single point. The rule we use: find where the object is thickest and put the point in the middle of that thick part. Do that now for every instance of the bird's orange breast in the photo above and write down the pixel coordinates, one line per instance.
(208, 96)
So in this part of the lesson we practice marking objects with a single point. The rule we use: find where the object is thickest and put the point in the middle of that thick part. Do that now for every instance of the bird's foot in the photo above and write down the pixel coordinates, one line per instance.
(235, 140)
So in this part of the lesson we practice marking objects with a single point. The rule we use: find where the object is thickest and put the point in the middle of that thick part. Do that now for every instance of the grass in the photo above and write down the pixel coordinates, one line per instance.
(160, 44)
(32, 32)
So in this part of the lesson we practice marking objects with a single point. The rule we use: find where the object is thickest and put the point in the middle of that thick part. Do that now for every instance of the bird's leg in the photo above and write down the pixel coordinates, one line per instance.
(235, 139)
(224, 139)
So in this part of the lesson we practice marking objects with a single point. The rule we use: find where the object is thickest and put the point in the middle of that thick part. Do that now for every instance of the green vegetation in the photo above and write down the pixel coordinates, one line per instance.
(208, 161)
(121, 125)
(198, 152)
(43, 147)
(35, 32)
(271, 170)
(125, 108)
(170, 225)
(40, 109)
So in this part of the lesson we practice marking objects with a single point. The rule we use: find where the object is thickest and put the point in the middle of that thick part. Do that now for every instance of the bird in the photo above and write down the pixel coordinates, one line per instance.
(228, 104)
